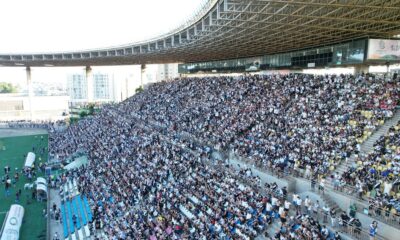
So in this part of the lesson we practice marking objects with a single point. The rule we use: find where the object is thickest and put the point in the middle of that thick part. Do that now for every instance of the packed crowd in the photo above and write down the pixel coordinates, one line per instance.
(143, 186)
(376, 175)
(290, 121)
(41, 124)
(151, 189)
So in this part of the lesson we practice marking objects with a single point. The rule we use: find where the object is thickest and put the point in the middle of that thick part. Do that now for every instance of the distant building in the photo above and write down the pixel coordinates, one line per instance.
(77, 87)
(167, 72)
(103, 88)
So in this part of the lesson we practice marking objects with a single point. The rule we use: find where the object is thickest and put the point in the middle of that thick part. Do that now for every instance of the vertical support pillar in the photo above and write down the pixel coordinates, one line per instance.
(361, 69)
(142, 74)
(218, 9)
(89, 82)
(30, 90)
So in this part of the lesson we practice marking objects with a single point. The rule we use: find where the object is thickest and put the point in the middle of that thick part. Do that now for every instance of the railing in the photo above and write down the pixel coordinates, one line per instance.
(348, 227)
(355, 231)
(272, 170)
(392, 219)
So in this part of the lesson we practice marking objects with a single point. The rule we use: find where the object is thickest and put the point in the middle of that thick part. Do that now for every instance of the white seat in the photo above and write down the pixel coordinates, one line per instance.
(87, 230)
(194, 199)
(80, 234)
(70, 188)
(74, 183)
(66, 189)
(73, 236)
(185, 211)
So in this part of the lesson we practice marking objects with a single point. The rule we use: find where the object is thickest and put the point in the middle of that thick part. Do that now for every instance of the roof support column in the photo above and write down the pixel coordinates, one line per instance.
(142, 74)
(218, 10)
(361, 69)
(30, 90)
(90, 84)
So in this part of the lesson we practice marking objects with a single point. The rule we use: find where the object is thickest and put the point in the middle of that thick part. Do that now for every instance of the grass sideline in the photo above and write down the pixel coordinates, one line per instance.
(34, 224)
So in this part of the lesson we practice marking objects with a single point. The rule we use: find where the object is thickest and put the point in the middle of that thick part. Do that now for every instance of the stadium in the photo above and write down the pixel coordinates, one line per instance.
(276, 126)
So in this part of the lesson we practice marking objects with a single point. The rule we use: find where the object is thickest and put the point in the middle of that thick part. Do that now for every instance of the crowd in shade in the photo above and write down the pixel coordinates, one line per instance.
(304, 123)
(41, 124)
(286, 121)
(141, 185)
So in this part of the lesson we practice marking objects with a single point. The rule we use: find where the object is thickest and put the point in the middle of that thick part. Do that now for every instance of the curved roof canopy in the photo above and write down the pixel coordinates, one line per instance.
(227, 29)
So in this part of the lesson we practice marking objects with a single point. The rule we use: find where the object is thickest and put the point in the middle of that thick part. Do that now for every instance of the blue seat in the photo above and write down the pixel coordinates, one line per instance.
(71, 225)
(87, 207)
(64, 220)
(81, 209)
(75, 209)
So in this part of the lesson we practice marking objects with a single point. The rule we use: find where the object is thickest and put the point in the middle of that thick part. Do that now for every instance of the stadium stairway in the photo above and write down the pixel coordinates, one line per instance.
(78, 205)
(326, 200)
(368, 145)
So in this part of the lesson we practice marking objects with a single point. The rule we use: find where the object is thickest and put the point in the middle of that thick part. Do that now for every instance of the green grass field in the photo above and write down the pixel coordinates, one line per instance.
(34, 224)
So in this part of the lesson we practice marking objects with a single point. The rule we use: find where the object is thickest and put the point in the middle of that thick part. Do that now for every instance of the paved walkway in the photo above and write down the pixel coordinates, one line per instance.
(54, 197)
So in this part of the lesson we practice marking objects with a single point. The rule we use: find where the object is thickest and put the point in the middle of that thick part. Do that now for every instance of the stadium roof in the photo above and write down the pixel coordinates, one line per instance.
(226, 29)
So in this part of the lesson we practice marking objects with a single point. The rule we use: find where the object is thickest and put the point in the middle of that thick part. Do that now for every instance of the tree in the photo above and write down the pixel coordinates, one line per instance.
(7, 88)
(91, 109)
(139, 89)
(82, 114)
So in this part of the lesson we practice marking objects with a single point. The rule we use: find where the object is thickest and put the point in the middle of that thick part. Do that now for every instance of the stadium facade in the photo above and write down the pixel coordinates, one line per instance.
(359, 53)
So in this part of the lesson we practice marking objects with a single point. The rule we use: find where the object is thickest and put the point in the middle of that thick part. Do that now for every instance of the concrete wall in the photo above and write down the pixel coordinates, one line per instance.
(263, 176)
(43, 107)
(47, 103)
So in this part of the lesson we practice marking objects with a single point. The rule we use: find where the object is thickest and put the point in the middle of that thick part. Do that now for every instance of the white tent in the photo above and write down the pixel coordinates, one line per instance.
(41, 180)
(12, 223)
(30, 159)
(41, 187)
(41, 191)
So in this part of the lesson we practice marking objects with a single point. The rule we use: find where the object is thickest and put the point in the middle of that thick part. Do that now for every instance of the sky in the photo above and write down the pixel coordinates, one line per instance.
(30, 26)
